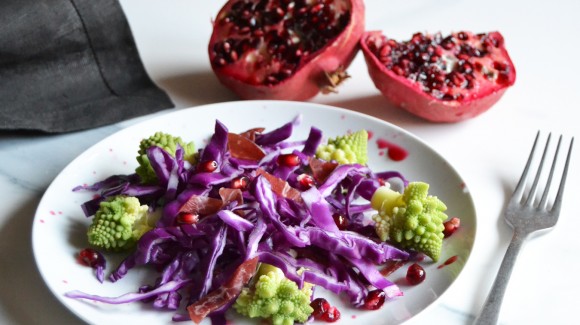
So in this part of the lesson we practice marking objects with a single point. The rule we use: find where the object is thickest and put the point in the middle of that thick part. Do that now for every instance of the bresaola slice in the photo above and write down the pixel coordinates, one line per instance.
(440, 78)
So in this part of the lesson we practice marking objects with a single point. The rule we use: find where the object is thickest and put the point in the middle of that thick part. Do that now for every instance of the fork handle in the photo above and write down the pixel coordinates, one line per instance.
(490, 312)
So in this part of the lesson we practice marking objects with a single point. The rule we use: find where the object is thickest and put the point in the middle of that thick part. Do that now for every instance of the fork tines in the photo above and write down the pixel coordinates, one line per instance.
(530, 199)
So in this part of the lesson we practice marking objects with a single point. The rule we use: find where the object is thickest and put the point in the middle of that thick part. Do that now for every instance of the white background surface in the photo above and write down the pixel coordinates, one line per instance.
(488, 151)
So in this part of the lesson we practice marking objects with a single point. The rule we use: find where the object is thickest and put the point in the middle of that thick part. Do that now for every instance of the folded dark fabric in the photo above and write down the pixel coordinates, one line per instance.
(68, 65)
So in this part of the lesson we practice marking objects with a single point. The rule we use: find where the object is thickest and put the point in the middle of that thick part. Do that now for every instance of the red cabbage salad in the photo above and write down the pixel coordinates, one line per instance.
(248, 198)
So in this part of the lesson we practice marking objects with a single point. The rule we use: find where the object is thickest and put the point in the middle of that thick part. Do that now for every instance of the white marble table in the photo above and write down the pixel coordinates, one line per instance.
(488, 151)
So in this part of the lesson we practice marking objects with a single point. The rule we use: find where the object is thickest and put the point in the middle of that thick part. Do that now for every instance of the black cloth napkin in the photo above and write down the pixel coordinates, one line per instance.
(68, 65)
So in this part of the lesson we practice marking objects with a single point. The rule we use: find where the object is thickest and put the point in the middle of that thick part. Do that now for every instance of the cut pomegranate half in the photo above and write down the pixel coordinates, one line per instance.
(441, 79)
(285, 49)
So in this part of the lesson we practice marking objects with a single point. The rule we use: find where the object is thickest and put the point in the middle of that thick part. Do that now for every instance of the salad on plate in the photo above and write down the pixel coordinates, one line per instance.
(255, 223)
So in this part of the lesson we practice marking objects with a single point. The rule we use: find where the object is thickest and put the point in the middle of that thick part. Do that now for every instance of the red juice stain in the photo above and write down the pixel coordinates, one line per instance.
(450, 260)
(370, 134)
(391, 267)
(353, 316)
(52, 213)
(394, 151)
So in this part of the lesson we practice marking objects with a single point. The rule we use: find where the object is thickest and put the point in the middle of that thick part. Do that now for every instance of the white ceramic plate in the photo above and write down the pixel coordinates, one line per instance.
(60, 226)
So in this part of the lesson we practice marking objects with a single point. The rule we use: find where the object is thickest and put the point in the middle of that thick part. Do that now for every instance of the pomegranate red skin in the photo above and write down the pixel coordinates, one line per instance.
(404, 94)
(309, 79)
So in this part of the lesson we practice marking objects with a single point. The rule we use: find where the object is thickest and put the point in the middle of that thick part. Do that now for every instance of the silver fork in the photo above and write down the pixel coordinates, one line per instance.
(525, 216)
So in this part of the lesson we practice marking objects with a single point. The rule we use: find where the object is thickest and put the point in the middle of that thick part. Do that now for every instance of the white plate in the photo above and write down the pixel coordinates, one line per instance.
(60, 226)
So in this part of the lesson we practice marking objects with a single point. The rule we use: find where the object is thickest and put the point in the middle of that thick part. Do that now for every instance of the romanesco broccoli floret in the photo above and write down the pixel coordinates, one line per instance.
(275, 297)
(413, 219)
(119, 223)
(169, 144)
(347, 149)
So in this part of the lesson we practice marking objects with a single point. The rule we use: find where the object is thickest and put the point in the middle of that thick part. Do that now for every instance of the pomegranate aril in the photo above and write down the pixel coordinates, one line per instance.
(466, 68)
(320, 306)
(288, 160)
(385, 50)
(503, 78)
(451, 226)
(374, 300)
(207, 166)
(448, 45)
(340, 220)
(305, 181)
(499, 66)
(239, 182)
(88, 257)
(331, 315)
(415, 274)
(219, 61)
(495, 39)
(398, 70)
(187, 218)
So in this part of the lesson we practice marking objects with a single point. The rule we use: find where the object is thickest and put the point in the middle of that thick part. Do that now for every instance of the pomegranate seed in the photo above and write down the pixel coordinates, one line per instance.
(451, 226)
(239, 182)
(385, 51)
(207, 166)
(467, 68)
(448, 45)
(288, 160)
(331, 315)
(374, 300)
(187, 218)
(463, 36)
(305, 181)
(340, 220)
(88, 257)
(320, 306)
(398, 70)
(499, 66)
(234, 55)
(503, 78)
(462, 57)
(415, 274)
(316, 8)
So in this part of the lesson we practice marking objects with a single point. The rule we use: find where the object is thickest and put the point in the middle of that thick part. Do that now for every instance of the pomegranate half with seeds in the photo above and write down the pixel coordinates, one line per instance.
(285, 49)
(440, 78)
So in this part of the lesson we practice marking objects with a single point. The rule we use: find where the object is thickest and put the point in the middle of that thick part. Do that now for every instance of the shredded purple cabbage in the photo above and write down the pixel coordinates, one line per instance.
(297, 235)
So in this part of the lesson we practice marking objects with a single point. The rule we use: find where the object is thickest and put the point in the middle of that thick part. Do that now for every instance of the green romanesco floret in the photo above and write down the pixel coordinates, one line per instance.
(119, 223)
(414, 219)
(169, 144)
(273, 296)
(347, 149)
